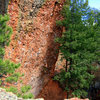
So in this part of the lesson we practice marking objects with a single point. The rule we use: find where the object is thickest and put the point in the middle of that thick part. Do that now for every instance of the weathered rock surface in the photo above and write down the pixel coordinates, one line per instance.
(7, 96)
(32, 44)
(10, 96)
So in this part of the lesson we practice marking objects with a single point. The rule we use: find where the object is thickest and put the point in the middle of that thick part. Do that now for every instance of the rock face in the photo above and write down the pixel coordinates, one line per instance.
(32, 43)
(3, 6)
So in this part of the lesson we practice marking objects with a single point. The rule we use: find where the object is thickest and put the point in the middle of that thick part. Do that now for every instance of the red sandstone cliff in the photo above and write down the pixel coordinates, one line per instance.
(32, 44)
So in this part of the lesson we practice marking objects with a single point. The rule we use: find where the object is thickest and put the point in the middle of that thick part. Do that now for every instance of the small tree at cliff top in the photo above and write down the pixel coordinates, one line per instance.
(6, 67)
(79, 46)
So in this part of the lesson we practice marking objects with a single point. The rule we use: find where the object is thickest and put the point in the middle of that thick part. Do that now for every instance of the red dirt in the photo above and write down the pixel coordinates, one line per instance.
(52, 91)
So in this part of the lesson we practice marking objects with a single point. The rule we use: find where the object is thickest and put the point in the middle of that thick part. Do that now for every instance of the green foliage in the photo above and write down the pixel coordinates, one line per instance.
(19, 95)
(21, 81)
(13, 78)
(6, 66)
(28, 96)
(25, 88)
(0, 82)
(79, 46)
(5, 31)
(12, 89)
(22, 93)
(23, 74)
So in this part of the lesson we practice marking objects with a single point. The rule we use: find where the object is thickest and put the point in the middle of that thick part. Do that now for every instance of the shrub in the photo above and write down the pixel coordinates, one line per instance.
(25, 88)
(12, 89)
(6, 66)
(28, 96)
(13, 78)
(19, 95)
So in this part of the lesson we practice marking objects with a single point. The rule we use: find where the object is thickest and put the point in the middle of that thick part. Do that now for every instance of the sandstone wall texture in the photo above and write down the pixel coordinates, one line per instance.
(32, 43)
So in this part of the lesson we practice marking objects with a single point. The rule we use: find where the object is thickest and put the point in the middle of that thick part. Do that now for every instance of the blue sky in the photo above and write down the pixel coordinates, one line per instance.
(94, 3)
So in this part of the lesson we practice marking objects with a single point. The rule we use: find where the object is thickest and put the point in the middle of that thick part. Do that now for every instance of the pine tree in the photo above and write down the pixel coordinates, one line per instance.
(6, 67)
(79, 46)
(5, 33)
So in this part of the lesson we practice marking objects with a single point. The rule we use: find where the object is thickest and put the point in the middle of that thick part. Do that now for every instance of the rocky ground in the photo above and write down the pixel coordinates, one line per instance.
(10, 96)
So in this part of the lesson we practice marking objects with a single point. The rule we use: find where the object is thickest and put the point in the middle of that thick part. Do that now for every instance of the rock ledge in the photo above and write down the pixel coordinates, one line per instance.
(10, 96)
